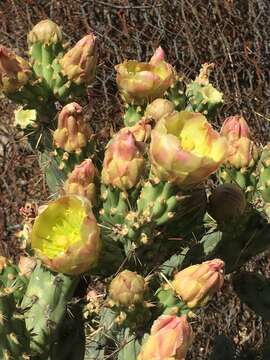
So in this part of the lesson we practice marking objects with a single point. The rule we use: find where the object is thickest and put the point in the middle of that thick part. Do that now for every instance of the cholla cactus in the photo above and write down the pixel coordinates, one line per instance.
(66, 236)
(147, 216)
(141, 82)
(185, 149)
(170, 338)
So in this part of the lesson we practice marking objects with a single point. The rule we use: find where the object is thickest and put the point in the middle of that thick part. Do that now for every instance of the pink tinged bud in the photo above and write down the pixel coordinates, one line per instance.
(73, 133)
(66, 236)
(82, 181)
(26, 265)
(185, 149)
(141, 82)
(242, 152)
(123, 164)
(196, 284)
(15, 72)
(159, 108)
(79, 63)
(46, 32)
(158, 56)
(235, 127)
(170, 338)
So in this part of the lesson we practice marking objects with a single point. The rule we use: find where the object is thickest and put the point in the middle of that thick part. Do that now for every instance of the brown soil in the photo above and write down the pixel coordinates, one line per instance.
(233, 34)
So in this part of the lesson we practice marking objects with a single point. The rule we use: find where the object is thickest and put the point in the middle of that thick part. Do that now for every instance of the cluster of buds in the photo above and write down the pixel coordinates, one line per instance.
(140, 81)
(66, 237)
(79, 63)
(82, 181)
(123, 164)
(185, 149)
(72, 133)
(170, 338)
(15, 72)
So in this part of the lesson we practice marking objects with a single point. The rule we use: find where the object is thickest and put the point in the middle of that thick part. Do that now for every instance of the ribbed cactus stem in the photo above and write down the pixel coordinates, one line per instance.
(45, 304)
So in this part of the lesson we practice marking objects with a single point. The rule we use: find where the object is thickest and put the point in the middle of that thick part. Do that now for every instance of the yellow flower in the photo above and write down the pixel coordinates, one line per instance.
(66, 237)
(185, 149)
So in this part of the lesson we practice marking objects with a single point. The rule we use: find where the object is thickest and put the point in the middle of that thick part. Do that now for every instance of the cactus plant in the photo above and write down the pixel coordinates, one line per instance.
(150, 235)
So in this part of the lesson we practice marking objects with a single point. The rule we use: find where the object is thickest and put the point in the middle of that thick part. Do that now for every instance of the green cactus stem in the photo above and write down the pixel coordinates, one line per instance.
(132, 115)
(176, 94)
(45, 304)
(14, 339)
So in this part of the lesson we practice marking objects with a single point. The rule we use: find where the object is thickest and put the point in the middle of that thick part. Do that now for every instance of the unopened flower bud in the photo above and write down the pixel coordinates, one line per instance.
(82, 181)
(15, 72)
(45, 32)
(159, 108)
(123, 163)
(170, 338)
(66, 237)
(242, 152)
(127, 289)
(227, 203)
(79, 63)
(73, 132)
(198, 283)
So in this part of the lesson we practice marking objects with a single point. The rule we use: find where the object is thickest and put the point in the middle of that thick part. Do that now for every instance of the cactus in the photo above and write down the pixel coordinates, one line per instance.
(14, 340)
(148, 238)
(45, 307)
(201, 95)
(264, 174)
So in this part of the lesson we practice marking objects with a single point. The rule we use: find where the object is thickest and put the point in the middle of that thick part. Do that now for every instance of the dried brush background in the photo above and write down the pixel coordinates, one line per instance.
(235, 35)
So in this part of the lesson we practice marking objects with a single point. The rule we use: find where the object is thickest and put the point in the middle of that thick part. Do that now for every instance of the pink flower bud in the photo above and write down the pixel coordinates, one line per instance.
(123, 164)
(170, 338)
(198, 283)
(73, 132)
(15, 72)
(242, 152)
(82, 180)
(79, 63)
